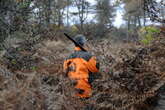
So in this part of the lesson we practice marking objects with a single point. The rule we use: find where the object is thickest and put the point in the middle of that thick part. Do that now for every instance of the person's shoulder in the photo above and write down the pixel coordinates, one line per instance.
(81, 54)
(87, 55)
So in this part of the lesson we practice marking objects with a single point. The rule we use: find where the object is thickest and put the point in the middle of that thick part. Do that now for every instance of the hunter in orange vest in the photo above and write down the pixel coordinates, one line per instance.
(80, 66)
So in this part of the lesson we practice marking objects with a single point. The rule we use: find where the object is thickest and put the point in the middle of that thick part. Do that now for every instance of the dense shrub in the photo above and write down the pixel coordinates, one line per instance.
(147, 34)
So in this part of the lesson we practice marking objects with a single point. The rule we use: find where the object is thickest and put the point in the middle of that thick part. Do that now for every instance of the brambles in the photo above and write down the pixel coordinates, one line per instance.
(18, 59)
(133, 78)
(130, 77)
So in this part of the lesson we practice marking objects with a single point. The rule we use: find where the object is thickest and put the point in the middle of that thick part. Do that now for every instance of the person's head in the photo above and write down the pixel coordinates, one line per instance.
(80, 39)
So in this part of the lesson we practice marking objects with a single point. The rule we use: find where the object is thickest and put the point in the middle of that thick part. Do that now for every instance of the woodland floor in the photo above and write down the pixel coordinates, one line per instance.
(31, 76)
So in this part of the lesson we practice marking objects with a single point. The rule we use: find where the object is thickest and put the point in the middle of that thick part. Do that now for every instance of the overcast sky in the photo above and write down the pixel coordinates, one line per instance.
(118, 19)
(120, 11)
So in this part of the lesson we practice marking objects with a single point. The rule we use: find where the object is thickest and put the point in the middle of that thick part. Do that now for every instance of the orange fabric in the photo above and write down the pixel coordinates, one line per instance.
(80, 72)
(84, 85)
(92, 65)
(79, 69)
(77, 48)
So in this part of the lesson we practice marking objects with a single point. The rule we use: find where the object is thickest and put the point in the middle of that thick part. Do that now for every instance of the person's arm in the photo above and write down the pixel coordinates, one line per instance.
(93, 65)
(65, 67)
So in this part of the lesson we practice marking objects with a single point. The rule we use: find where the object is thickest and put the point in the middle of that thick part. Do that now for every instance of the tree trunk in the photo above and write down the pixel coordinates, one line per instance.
(82, 15)
(81, 25)
(68, 13)
(129, 20)
(163, 14)
(48, 9)
(135, 22)
(144, 18)
(59, 18)
(139, 22)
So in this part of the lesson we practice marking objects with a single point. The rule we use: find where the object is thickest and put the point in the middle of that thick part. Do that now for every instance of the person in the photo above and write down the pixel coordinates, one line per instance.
(80, 66)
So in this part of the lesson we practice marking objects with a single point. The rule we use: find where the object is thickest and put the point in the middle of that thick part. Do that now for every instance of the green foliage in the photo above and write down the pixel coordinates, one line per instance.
(33, 68)
(74, 29)
(25, 4)
(14, 61)
(147, 34)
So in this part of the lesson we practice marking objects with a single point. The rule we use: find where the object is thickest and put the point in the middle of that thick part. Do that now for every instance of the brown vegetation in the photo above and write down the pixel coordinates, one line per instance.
(130, 77)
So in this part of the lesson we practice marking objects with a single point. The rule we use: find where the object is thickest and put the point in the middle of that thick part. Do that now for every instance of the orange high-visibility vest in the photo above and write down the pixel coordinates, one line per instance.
(79, 65)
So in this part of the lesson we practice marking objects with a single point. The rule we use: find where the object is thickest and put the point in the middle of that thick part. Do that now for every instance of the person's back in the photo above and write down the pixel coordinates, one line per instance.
(78, 67)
